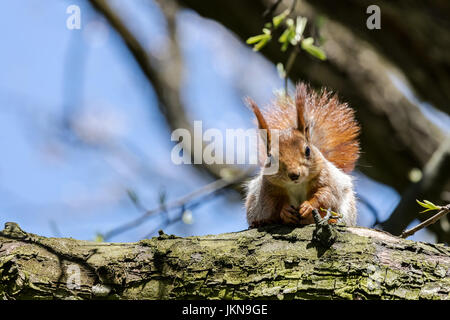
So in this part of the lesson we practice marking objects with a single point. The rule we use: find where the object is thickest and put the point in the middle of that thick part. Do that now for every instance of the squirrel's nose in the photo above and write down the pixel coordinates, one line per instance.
(293, 176)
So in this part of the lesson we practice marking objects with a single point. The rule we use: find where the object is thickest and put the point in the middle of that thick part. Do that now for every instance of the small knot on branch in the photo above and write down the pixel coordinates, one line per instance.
(12, 230)
(325, 233)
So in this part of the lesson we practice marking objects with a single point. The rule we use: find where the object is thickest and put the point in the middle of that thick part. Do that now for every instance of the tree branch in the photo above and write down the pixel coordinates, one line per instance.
(275, 262)
(165, 78)
(433, 219)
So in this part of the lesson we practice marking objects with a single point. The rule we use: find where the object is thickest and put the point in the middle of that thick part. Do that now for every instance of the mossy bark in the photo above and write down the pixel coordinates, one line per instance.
(276, 262)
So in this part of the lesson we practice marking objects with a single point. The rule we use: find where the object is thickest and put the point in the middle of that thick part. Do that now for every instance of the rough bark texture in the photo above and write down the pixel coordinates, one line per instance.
(277, 262)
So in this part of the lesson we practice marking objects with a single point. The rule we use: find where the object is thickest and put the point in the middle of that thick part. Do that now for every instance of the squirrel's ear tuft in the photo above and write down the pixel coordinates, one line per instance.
(262, 124)
(301, 94)
(307, 133)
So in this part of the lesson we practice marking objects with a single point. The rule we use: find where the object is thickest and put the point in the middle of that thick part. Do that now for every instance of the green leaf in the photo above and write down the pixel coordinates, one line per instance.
(260, 40)
(316, 52)
(432, 205)
(312, 49)
(421, 203)
(256, 39)
(308, 41)
(290, 22)
(279, 18)
(428, 205)
(261, 44)
(286, 37)
(99, 237)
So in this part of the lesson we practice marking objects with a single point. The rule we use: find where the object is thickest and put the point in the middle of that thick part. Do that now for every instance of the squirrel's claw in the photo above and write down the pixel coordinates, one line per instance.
(306, 213)
(306, 209)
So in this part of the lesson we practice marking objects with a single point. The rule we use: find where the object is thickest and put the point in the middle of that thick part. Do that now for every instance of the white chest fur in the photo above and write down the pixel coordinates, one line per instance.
(297, 194)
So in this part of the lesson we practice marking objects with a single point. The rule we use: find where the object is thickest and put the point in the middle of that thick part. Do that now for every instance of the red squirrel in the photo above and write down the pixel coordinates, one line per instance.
(317, 148)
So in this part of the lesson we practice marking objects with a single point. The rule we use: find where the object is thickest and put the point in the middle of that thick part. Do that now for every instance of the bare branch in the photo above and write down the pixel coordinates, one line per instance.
(426, 223)
(164, 78)
(180, 202)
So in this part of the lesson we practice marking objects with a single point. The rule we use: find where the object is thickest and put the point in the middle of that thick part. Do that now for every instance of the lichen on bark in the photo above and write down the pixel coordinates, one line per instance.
(274, 262)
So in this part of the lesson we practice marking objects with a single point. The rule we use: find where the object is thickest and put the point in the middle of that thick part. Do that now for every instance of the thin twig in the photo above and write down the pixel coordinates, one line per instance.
(433, 219)
(294, 3)
(292, 56)
(167, 91)
(289, 64)
(167, 221)
(178, 203)
(268, 13)
(164, 76)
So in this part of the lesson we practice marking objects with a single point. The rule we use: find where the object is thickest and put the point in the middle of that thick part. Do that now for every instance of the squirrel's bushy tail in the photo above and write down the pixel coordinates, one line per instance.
(331, 124)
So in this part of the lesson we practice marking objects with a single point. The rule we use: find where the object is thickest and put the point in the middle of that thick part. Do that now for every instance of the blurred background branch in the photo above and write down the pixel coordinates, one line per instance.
(166, 78)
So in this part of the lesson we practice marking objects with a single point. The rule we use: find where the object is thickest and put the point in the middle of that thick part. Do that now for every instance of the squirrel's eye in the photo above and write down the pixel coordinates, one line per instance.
(307, 152)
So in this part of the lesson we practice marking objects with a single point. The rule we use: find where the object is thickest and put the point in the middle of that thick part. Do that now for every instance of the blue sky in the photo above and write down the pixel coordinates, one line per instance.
(54, 186)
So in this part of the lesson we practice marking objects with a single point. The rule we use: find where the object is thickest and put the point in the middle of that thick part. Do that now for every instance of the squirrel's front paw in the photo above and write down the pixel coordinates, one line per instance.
(305, 211)
(289, 215)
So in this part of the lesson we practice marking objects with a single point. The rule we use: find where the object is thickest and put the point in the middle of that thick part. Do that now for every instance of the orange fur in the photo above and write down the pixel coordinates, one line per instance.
(317, 146)
(327, 124)
(262, 124)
